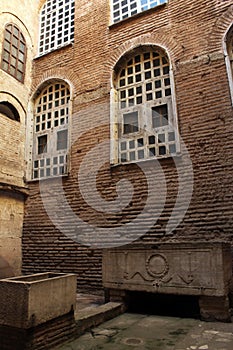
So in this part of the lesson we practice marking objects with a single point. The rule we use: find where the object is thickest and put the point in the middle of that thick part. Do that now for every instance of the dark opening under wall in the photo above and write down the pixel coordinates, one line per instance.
(164, 304)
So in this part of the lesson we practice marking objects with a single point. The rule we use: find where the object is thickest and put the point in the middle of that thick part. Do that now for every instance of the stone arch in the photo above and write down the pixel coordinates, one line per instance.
(10, 99)
(173, 49)
(11, 17)
(128, 53)
(54, 75)
(219, 29)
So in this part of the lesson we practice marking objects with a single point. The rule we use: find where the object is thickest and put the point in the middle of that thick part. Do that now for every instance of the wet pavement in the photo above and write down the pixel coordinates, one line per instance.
(137, 331)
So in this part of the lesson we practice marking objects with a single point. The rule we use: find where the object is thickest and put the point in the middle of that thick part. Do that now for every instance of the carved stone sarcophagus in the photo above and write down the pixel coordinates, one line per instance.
(195, 268)
(177, 268)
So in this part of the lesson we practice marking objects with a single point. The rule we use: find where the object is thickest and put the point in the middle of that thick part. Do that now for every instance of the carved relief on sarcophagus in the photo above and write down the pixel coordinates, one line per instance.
(178, 268)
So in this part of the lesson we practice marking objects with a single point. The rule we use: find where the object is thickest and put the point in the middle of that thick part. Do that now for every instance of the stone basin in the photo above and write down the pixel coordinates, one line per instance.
(27, 301)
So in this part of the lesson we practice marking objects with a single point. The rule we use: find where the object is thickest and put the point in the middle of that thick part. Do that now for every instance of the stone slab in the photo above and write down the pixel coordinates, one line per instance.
(93, 316)
(195, 268)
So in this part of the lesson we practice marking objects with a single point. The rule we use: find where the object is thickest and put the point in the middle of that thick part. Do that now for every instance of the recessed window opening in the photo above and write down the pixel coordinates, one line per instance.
(14, 52)
(159, 116)
(62, 139)
(42, 144)
(51, 121)
(9, 111)
(147, 126)
(130, 122)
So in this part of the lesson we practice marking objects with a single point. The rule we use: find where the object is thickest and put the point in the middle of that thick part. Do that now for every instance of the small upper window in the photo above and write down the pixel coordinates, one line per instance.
(56, 25)
(127, 8)
(14, 52)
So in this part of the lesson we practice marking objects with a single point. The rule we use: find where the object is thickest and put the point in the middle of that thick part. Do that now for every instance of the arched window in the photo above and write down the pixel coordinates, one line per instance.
(146, 115)
(14, 52)
(9, 111)
(56, 25)
(51, 120)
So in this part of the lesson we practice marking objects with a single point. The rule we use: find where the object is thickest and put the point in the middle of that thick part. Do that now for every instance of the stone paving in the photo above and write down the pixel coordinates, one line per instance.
(136, 331)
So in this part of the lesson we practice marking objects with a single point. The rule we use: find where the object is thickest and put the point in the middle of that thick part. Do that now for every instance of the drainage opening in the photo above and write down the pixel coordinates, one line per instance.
(164, 304)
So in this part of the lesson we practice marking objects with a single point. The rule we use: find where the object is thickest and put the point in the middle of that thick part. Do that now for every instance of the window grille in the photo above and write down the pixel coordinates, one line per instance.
(147, 125)
(51, 132)
(56, 25)
(122, 9)
(14, 52)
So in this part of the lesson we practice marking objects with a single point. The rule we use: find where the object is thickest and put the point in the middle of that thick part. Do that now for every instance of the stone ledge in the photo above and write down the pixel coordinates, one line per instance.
(92, 317)
(14, 189)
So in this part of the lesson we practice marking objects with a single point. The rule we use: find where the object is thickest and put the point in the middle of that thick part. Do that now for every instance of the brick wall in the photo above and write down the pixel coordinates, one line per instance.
(192, 34)
(48, 335)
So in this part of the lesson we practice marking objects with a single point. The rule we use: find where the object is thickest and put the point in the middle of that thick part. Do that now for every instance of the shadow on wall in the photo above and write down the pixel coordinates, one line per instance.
(5, 269)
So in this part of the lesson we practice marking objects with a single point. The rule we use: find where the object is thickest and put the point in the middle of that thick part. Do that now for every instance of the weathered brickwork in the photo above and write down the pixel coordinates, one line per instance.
(192, 33)
(45, 336)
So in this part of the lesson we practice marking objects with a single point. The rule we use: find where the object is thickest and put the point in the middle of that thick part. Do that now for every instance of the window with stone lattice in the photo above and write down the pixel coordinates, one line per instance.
(122, 9)
(56, 25)
(146, 114)
(50, 141)
(14, 52)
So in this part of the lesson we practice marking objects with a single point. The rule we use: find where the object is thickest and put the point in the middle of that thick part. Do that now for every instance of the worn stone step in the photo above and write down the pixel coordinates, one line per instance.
(94, 316)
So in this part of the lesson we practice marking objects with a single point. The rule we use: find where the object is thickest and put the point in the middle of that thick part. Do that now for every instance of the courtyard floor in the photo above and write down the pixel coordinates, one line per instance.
(137, 331)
